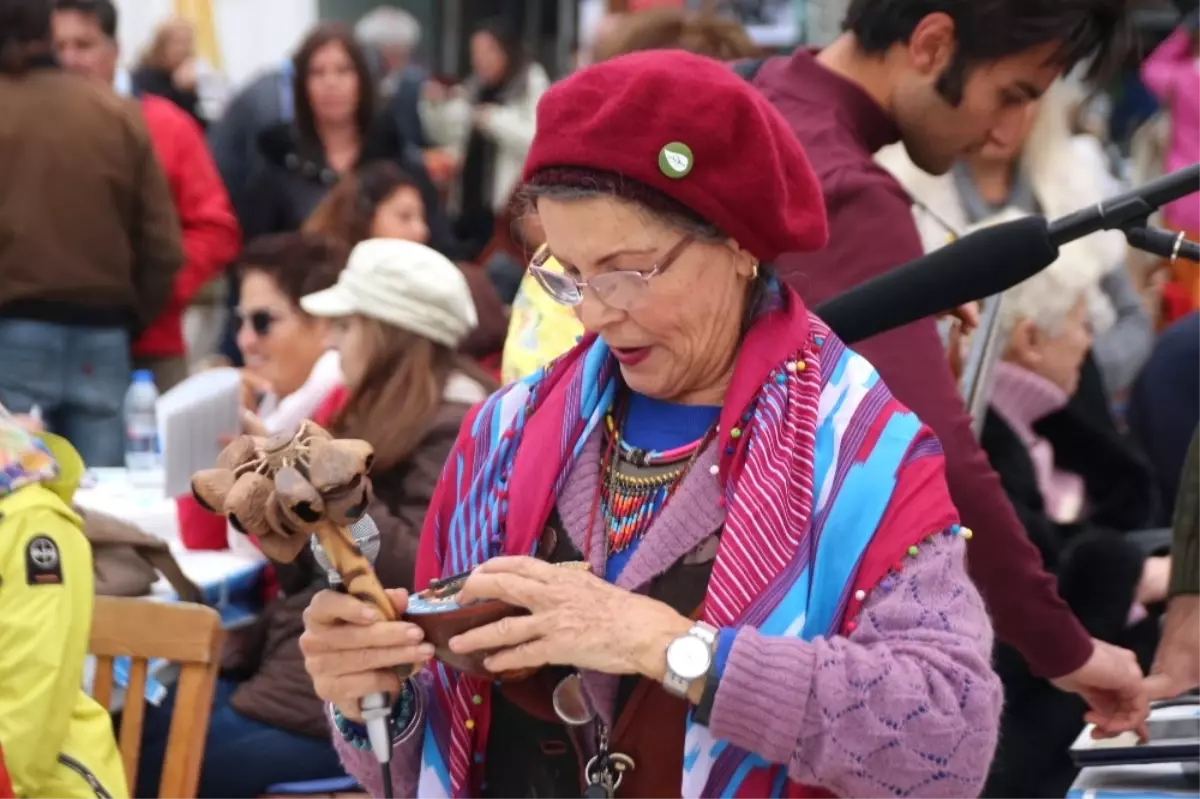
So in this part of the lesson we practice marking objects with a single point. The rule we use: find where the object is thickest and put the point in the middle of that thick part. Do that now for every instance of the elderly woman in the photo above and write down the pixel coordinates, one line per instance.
(1077, 486)
(776, 602)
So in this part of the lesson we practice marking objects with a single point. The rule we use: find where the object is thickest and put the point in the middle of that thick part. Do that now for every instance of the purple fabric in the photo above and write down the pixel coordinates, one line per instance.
(907, 705)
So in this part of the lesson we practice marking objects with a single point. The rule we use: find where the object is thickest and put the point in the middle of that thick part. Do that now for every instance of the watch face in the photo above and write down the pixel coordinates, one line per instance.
(689, 657)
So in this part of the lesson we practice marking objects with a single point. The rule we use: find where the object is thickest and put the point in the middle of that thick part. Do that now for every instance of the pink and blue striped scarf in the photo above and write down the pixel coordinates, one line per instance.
(820, 446)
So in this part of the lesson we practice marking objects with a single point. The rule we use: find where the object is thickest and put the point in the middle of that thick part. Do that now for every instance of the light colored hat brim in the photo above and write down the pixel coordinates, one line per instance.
(334, 301)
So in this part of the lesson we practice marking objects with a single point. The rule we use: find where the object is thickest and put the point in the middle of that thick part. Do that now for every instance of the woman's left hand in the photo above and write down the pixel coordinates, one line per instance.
(576, 619)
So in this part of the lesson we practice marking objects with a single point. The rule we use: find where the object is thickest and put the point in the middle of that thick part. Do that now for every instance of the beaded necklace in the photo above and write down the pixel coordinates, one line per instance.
(630, 503)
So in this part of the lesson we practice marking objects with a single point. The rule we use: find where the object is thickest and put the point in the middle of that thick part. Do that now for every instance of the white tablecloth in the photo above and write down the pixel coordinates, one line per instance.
(143, 504)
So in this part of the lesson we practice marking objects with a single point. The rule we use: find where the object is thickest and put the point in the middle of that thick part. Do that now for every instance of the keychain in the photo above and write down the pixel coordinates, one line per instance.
(606, 770)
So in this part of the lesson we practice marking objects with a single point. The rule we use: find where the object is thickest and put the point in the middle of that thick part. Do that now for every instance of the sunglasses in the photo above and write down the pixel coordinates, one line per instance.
(260, 321)
(622, 290)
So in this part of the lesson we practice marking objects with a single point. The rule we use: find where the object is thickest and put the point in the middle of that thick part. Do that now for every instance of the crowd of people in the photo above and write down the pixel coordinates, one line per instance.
(573, 318)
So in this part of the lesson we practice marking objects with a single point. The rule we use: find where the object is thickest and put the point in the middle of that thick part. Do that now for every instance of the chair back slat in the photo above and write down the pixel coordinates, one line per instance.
(182, 633)
(132, 718)
(193, 707)
(102, 682)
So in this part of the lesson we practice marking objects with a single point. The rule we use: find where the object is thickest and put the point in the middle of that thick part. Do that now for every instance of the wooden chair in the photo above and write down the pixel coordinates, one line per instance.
(182, 633)
(340, 795)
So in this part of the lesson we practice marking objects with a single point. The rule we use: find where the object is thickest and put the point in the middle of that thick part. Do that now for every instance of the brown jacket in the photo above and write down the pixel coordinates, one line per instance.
(88, 232)
(280, 692)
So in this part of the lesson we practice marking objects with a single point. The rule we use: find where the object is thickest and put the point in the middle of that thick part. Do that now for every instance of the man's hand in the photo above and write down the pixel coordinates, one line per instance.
(1111, 683)
(1176, 666)
(967, 315)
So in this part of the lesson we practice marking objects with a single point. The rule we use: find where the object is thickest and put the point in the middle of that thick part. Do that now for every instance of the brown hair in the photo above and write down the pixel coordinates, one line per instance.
(401, 393)
(323, 34)
(671, 28)
(346, 212)
(154, 56)
(298, 263)
(24, 34)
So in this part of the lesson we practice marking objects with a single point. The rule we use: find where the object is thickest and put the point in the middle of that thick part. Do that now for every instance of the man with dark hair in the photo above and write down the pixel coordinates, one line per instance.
(945, 77)
(85, 40)
(89, 242)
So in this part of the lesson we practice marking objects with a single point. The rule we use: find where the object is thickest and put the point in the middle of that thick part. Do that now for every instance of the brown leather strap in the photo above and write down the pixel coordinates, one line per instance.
(168, 567)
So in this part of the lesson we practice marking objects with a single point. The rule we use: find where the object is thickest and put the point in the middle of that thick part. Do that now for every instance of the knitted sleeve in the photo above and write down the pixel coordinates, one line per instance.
(907, 705)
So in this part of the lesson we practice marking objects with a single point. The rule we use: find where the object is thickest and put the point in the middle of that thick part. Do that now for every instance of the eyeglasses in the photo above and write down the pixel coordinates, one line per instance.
(260, 321)
(621, 290)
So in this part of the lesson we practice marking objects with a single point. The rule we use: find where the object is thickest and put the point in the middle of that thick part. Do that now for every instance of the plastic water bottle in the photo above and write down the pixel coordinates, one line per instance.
(141, 428)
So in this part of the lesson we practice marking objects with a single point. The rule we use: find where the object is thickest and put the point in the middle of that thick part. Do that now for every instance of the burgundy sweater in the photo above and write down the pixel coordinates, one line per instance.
(871, 230)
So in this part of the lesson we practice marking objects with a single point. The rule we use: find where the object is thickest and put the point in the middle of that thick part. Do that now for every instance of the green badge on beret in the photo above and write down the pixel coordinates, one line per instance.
(675, 160)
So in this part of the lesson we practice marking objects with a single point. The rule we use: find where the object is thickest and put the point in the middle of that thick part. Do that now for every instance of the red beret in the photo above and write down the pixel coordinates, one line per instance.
(693, 129)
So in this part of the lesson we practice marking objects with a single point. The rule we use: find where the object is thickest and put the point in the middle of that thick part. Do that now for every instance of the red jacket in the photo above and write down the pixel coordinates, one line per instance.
(211, 237)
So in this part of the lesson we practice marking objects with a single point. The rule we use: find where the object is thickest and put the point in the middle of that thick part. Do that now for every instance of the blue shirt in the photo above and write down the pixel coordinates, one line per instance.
(653, 424)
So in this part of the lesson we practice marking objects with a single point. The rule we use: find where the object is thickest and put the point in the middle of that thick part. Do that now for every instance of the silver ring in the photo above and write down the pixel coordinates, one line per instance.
(1178, 246)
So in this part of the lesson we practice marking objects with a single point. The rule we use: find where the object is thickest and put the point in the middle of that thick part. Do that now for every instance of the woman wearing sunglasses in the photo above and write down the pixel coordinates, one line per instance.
(290, 369)
(263, 701)
(774, 601)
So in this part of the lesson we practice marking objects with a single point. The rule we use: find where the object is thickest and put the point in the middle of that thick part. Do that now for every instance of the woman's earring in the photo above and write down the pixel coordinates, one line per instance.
(754, 270)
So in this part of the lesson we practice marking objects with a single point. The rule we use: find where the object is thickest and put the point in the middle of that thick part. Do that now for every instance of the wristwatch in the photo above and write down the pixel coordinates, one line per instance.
(689, 657)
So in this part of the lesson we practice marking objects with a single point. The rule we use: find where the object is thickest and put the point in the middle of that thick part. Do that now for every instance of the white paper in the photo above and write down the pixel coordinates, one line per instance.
(193, 419)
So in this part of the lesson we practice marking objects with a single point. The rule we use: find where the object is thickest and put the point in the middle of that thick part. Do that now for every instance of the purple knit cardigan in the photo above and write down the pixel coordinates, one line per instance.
(907, 705)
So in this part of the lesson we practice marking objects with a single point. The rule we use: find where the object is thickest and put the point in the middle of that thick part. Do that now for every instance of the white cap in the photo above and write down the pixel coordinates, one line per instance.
(401, 283)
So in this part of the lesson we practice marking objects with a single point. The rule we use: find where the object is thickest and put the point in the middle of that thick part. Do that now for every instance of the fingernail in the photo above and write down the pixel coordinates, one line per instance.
(426, 650)
(416, 634)
(370, 614)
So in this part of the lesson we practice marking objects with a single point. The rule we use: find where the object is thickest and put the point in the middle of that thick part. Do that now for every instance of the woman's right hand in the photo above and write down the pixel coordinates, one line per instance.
(350, 652)
(253, 389)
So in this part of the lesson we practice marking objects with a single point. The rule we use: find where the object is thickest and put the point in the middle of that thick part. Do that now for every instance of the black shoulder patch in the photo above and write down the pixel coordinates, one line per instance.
(43, 563)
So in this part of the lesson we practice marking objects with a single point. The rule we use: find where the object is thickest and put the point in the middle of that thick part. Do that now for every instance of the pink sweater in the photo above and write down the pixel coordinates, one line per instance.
(1172, 74)
(908, 705)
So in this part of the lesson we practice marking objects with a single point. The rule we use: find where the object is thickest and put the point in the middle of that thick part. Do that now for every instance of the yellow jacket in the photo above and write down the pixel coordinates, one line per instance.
(539, 330)
(57, 741)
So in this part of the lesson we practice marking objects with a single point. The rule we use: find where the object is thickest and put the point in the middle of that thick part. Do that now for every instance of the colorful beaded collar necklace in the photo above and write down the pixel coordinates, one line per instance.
(631, 503)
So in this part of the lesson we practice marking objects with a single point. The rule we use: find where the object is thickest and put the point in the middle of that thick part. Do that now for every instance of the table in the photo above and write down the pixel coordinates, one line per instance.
(1160, 781)
(1154, 781)
(228, 579)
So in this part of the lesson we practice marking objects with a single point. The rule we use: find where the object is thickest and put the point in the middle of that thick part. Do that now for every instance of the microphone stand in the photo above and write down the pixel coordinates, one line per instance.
(976, 382)
(1129, 211)
(1129, 214)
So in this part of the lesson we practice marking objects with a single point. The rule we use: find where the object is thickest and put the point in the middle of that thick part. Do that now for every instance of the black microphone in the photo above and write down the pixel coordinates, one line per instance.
(980, 264)
(996, 258)
(1130, 208)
